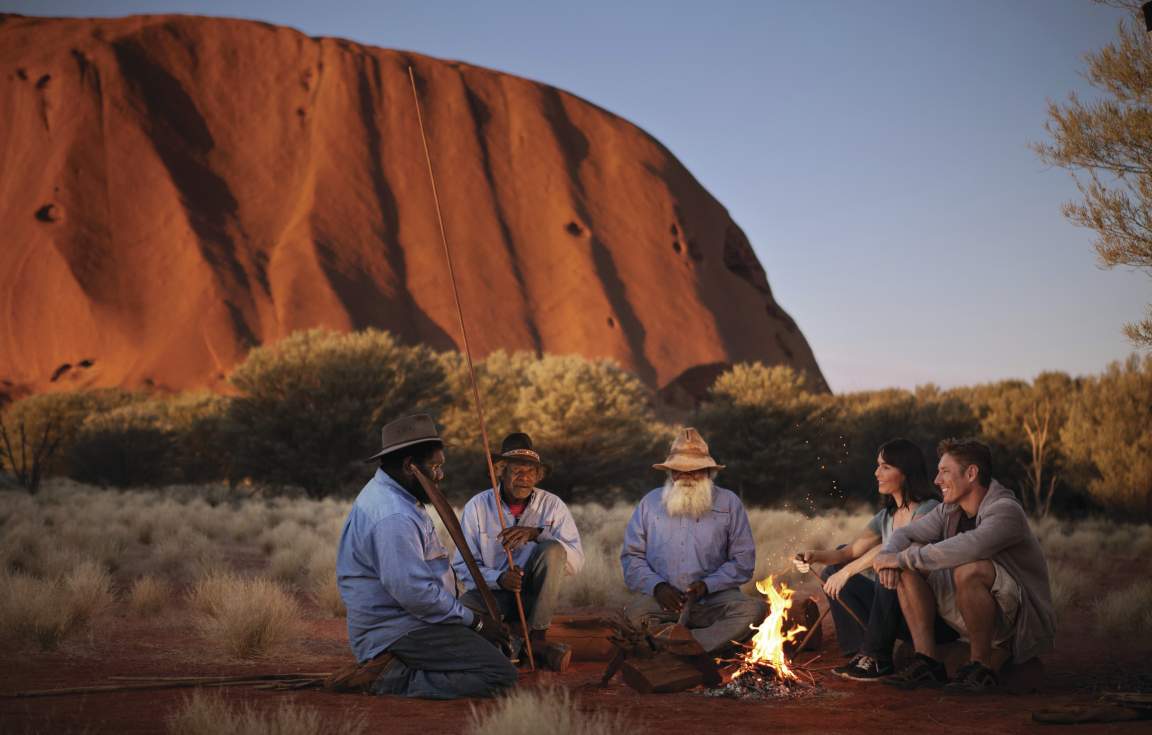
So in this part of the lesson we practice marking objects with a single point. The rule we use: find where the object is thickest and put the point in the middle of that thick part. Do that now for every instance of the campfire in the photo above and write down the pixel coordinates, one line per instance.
(762, 670)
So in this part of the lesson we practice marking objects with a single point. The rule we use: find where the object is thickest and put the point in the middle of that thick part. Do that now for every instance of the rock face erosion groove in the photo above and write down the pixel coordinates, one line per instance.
(197, 193)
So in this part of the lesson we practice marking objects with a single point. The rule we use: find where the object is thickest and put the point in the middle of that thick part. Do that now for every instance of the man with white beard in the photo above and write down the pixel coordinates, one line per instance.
(690, 541)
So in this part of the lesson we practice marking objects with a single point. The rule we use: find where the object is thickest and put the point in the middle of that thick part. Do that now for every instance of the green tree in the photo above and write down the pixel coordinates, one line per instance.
(776, 436)
(1021, 422)
(311, 405)
(1107, 145)
(867, 419)
(593, 421)
(1109, 426)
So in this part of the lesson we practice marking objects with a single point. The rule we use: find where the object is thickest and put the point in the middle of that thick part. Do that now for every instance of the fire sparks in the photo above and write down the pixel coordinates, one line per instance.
(767, 648)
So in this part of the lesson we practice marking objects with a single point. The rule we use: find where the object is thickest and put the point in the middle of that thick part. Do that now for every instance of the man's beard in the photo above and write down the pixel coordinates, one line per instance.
(687, 498)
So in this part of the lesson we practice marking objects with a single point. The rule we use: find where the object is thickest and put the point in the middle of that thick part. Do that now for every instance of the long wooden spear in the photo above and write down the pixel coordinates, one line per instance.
(471, 369)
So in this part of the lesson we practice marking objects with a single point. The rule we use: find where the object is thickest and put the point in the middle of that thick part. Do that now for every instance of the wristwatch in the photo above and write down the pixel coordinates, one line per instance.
(477, 624)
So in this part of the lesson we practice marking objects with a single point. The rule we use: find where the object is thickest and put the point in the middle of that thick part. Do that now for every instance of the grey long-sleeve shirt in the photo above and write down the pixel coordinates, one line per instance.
(1002, 534)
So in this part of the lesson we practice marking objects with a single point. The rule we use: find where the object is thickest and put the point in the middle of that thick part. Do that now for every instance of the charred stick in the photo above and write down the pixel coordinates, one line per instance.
(142, 686)
(812, 631)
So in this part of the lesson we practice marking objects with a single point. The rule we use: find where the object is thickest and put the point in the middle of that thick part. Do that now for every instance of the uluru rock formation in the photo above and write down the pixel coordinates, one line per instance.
(177, 189)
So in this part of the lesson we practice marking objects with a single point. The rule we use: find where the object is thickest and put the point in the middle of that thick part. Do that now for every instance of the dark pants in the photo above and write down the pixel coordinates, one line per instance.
(543, 574)
(445, 662)
(879, 607)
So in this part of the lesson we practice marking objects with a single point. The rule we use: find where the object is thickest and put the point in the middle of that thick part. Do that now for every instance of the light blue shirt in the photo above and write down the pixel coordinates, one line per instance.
(392, 570)
(482, 532)
(717, 548)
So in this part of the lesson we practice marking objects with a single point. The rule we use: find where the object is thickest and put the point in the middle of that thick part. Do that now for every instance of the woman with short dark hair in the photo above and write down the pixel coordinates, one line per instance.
(902, 479)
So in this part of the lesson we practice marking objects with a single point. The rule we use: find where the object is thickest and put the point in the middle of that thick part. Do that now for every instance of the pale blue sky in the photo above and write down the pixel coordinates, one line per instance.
(876, 154)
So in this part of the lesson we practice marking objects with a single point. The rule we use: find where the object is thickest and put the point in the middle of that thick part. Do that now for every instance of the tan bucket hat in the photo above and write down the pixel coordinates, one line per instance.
(689, 452)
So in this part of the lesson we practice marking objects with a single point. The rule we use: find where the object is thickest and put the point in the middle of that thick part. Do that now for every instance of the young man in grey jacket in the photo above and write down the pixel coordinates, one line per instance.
(975, 560)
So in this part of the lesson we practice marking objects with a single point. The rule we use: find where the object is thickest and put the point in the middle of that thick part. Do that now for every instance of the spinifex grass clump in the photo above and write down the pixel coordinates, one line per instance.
(210, 714)
(149, 595)
(49, 610)
(552, 711)
(1126, 613)
(248, 617)
(321, 581)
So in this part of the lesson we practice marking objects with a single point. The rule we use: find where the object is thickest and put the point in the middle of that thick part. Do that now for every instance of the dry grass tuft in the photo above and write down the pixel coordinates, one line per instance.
(248, 617)
(1068, 586)
(1125, 614)
(48, 611)
(149, 595)
(552, 711)
(210, 714)
(322, 585)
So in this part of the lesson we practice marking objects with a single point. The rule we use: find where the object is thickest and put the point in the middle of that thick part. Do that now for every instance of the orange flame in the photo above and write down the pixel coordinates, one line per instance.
(768, 643)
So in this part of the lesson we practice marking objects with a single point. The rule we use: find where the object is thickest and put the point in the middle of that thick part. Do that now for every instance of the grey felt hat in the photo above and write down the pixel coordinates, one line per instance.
(406, 431)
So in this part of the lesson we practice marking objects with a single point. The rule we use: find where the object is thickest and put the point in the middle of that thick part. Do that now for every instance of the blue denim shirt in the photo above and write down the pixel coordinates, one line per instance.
(392, 570)
(482, 531)
(717, 548)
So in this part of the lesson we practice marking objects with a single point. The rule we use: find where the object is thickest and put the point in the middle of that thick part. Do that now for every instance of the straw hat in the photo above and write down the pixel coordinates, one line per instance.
(689, 452)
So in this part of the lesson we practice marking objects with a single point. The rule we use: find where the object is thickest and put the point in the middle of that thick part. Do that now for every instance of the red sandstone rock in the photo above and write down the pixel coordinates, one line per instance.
(176, 189)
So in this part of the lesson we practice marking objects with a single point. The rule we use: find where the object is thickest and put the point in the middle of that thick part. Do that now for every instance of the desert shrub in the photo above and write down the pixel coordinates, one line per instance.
(165, 439)
(210, 714)
(37, 433)
(310, 405)
(554, 710)
(593, 421)
(247, 617)
(867, 419)
(1123, 613)
(149, 595)
(50, 610)
(776, 437)
(1109, 428)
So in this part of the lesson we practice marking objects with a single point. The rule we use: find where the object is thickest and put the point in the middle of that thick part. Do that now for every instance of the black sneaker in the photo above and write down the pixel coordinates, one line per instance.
(864, 668)
(974, 678)
(923, 671)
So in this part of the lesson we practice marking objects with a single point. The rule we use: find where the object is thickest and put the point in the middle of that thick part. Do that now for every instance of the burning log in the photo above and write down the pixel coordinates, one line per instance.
(663, 673)
(763, 669)
(660, 659)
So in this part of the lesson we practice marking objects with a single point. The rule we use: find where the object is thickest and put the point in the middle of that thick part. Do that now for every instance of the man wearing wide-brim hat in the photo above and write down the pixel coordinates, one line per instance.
(405, 624)
(541, 536)
(689, 542)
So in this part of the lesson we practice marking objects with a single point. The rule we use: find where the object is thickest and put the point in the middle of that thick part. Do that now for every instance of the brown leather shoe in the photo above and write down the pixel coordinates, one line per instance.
(555, 656)
(358, 677)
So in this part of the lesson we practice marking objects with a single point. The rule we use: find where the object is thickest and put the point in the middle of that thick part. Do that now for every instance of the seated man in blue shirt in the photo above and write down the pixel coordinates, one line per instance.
(541, 536)
(691, 540)
(399, 589)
